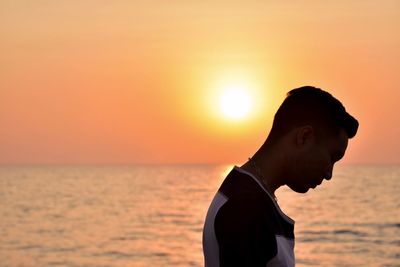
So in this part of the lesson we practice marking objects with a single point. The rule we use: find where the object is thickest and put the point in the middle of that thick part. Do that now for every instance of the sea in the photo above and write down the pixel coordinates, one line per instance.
(153, 215)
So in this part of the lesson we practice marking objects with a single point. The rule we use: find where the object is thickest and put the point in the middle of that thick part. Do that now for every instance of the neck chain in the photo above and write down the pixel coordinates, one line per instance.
(261, 178)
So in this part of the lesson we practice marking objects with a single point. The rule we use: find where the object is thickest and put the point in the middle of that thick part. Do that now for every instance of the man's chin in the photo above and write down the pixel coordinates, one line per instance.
(300, 190)
(304, 191)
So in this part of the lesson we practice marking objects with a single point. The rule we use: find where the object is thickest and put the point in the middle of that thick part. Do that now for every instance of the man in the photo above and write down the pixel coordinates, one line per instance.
(244, 224)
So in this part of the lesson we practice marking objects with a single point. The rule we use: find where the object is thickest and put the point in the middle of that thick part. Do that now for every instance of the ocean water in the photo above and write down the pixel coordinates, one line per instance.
(153, 216)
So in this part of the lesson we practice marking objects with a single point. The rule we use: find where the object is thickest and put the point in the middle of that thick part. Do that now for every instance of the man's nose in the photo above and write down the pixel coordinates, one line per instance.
(328, 174)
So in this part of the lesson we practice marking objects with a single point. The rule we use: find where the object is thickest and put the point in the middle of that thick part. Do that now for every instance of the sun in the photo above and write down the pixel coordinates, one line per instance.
(235, 102)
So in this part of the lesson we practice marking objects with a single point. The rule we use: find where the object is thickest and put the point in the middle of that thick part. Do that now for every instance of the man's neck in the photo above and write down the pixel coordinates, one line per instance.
(267, 167)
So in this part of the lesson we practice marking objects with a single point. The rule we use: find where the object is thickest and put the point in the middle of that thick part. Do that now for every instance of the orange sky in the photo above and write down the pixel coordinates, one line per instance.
(138, 81)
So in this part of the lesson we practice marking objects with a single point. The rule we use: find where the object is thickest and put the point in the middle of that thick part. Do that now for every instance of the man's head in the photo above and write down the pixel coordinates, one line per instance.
(312, 106)
(314, 128)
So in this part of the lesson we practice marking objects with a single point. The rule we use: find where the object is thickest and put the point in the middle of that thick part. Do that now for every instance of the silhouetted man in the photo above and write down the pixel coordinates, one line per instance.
(244, 224)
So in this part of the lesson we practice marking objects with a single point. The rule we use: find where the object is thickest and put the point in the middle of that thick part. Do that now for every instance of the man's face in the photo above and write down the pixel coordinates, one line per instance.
(315, 161)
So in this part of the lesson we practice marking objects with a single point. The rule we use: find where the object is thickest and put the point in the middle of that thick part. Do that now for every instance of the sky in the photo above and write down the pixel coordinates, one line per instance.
(142, 82)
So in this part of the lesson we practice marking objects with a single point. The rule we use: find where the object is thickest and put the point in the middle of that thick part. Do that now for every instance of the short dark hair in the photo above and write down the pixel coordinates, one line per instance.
(309, 105)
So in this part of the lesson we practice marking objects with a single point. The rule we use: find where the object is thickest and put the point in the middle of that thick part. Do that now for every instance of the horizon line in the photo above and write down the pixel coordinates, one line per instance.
(99, 164)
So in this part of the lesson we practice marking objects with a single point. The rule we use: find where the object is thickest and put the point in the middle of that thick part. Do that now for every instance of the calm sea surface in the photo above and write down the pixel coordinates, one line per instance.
(153, 216)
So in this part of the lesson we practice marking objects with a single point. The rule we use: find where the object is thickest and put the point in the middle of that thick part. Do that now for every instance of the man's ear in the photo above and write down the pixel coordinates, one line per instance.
(305, 135)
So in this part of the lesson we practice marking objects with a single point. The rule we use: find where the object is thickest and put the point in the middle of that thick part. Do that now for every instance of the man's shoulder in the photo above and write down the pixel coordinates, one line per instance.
(244, 198)
(246, 203)
(241, 185)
